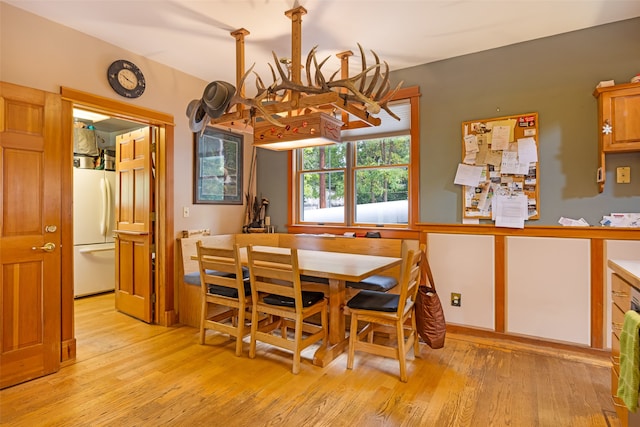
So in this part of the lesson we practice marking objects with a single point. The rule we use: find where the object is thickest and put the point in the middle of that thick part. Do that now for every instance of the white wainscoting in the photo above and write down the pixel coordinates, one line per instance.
(549, 288)
(464, 264)
(616, 249)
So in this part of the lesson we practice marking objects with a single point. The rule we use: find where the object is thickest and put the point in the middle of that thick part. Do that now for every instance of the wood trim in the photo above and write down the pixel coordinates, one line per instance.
(535, 342)
(598, 298)
(68, 352)
(116, 108)
(67, 336)
(500, 283)
(392, 233)
(414, 189)
(610, 233)
(165, 313)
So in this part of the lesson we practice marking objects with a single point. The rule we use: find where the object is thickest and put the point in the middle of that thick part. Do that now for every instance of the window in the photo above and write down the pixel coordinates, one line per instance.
(363, 181)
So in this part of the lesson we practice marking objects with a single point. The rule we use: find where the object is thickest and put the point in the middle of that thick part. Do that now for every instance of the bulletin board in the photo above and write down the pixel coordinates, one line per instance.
(506, 148)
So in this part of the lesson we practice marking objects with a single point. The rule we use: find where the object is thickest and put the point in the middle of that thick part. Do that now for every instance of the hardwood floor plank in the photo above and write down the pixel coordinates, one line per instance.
(132, 374)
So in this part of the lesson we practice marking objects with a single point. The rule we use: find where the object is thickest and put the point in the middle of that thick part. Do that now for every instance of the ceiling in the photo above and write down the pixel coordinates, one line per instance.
(194, 36)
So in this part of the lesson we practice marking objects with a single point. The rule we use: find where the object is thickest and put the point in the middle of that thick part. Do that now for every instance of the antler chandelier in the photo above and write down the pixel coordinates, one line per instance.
(289, 110)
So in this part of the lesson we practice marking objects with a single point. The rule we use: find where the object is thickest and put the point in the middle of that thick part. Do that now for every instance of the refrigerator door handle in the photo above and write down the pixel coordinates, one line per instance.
(103, 214)
(109, 206)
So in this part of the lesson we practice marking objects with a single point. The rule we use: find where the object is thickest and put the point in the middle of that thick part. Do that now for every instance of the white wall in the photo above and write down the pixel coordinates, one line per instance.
(464, 264)
(44, 55)
(549, 288)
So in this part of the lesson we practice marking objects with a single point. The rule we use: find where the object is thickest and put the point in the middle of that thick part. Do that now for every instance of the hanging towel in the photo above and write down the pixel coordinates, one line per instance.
(629, 381)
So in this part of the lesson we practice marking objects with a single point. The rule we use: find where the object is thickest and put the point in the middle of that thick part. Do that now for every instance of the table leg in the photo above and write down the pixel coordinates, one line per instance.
(337, 341)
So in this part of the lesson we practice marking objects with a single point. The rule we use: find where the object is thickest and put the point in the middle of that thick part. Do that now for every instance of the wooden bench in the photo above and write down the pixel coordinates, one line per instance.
(188, 290)
(188, 286)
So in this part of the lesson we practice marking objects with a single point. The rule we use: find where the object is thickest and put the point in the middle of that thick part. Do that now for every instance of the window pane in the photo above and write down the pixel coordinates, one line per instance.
(383, 151)
(382, 195)
(325, 157)
(323, 197)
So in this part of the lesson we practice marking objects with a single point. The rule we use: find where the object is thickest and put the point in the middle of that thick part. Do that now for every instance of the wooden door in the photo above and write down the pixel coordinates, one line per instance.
(30, 233)
(134, 226)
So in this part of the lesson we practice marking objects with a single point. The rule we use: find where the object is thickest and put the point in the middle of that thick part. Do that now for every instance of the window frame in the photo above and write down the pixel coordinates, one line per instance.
(412, 94)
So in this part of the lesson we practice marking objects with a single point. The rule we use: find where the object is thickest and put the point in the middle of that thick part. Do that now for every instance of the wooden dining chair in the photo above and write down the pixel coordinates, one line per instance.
(276, 293)
(390, 313)
(226, 293)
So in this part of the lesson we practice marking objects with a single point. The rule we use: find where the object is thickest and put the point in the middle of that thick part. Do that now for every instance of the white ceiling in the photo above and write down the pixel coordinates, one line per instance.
(194, 36)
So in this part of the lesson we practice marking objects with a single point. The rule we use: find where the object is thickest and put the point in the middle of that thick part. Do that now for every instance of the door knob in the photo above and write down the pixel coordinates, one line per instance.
(48, 247)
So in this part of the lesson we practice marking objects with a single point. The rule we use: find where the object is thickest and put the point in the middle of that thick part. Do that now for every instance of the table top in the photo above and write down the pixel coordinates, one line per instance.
(332, 265)
(336, 265)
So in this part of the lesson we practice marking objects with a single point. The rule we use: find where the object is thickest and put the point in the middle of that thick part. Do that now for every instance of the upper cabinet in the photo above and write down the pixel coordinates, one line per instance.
(618, 122)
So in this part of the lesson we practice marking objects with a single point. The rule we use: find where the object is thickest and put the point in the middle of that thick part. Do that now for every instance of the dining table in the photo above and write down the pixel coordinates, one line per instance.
(338, 268)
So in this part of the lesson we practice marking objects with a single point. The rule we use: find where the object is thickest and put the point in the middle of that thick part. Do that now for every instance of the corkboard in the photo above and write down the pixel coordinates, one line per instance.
(497, 144)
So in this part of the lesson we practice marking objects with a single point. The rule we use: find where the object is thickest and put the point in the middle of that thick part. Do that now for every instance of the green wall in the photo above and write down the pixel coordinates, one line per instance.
(553, 76)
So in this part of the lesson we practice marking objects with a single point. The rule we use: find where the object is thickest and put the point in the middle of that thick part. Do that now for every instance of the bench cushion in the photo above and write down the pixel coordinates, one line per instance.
(229, 292)
(308, 299)
(375, 283)
(194, 278)
(314, 279)
(373, 300)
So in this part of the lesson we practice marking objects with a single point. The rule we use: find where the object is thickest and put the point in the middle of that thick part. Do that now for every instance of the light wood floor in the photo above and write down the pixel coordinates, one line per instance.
(132, 374)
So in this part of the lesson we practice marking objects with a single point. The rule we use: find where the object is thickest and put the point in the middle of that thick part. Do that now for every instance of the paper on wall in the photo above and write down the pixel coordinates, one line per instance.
(468, 175)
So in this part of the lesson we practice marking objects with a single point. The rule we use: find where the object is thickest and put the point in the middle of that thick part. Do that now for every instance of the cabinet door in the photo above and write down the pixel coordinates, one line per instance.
(622, 111)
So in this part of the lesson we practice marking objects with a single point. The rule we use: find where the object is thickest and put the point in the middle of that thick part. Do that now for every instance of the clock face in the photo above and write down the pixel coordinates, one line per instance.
(126, 78)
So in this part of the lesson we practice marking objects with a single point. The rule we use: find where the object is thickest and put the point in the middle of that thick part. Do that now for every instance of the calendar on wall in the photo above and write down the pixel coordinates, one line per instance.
(499, 169)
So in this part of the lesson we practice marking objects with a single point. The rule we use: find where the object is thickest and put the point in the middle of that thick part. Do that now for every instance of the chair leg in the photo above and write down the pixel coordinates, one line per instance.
(401, 352)
(416, 338)
(298, 341)
(254, 329)
(353, 336)
(203, 315)
(239, 330)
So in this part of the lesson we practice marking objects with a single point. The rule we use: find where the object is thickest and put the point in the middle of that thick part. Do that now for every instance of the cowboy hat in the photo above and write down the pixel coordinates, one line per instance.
(216, 97)
(197, 115)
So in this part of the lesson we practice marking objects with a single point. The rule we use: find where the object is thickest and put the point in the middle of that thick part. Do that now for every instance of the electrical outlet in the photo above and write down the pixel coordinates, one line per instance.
(185, 212)
(623, 175)
(456, 299)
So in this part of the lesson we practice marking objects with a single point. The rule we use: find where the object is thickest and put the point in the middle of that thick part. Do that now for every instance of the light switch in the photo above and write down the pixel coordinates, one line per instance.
(623, 175)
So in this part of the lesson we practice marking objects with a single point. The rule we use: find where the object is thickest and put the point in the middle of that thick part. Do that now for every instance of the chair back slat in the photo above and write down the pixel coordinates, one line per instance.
(410, 278)
(275, 273)
(222, 260)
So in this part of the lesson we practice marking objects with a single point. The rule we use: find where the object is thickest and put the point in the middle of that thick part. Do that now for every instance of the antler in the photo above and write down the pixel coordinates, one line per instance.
(373, 96)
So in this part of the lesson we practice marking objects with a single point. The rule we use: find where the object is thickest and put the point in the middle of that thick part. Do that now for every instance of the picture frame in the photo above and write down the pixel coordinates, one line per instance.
(217, 167)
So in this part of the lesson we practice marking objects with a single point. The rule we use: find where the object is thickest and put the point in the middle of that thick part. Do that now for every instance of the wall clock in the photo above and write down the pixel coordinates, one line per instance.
(126, 78)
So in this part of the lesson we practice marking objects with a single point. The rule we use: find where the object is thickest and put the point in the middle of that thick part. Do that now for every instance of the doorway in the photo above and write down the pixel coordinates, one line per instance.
(123, 115)
(94, 200)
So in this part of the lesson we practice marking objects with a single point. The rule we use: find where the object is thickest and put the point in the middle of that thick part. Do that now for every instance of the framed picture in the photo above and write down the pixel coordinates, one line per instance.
(217, 167)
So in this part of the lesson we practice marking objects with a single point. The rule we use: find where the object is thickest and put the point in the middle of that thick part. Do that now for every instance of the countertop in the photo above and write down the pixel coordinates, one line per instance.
(629, 270)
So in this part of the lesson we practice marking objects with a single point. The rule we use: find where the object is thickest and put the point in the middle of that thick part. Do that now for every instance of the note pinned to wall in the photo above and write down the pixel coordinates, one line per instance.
(506, 149)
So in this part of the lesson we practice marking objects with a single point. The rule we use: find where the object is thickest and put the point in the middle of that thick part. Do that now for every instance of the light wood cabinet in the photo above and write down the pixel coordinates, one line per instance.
(624, 278)
(618, 122)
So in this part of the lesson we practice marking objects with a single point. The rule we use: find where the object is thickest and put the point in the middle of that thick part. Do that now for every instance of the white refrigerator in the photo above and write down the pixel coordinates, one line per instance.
(93, 224)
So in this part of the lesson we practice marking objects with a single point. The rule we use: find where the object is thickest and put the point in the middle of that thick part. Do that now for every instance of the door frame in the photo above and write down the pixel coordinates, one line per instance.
(165, 313)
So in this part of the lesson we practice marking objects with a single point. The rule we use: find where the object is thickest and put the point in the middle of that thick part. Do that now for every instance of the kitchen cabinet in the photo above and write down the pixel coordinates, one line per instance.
(618, 122)
(625, 290)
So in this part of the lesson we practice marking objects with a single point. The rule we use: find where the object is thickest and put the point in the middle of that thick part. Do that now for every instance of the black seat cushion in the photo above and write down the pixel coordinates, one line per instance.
(308, 298)
(229, 292)
(373, 300)
(314, 279)
(375, 283)
(194, 278)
